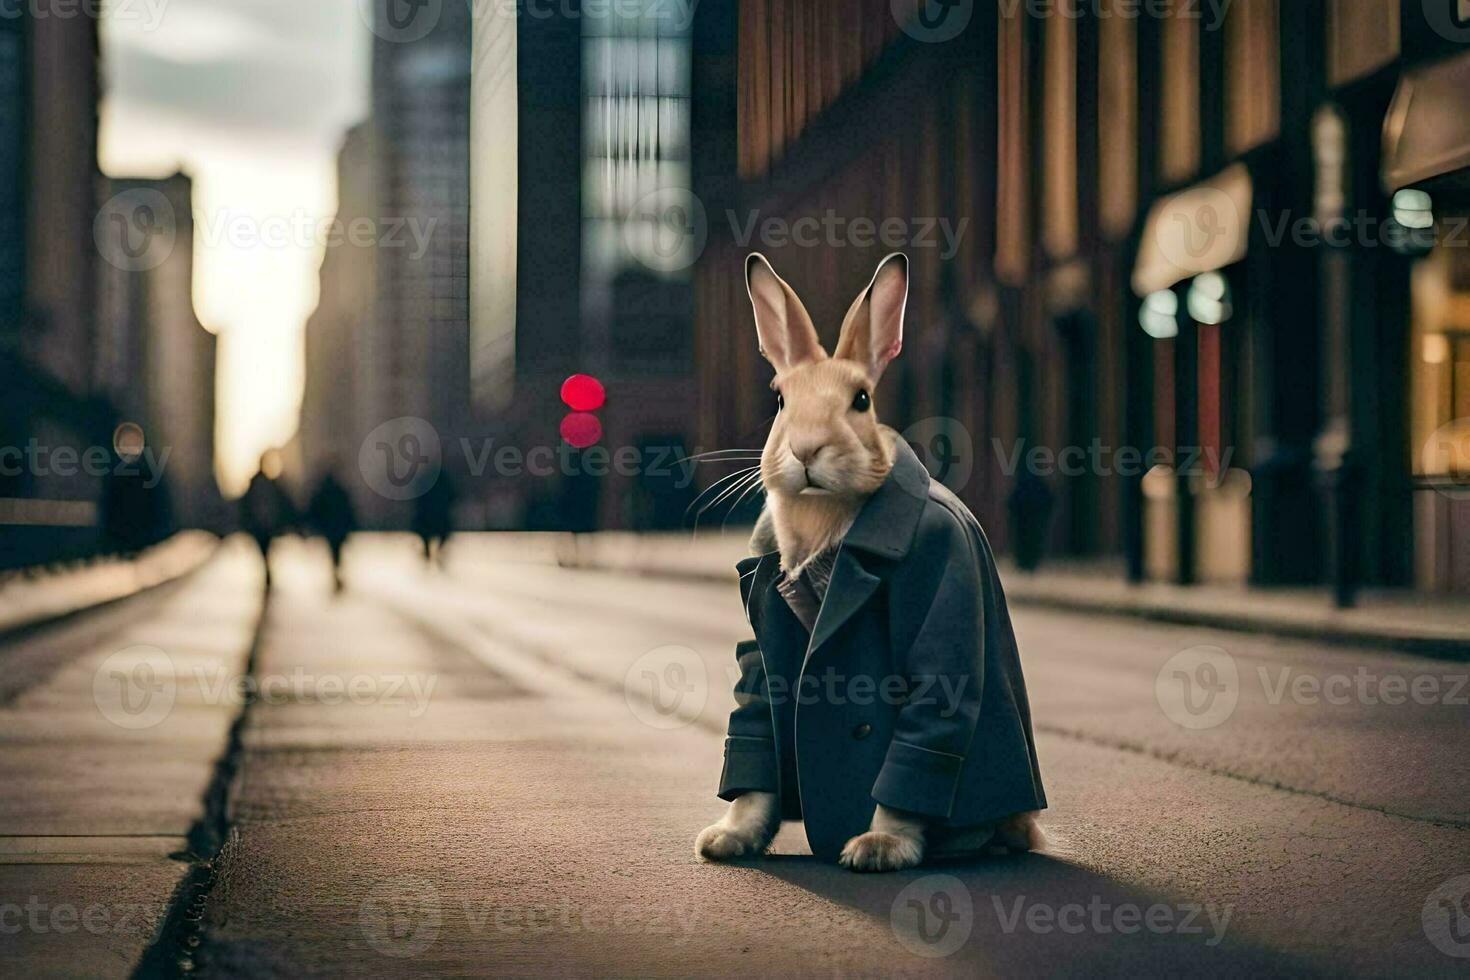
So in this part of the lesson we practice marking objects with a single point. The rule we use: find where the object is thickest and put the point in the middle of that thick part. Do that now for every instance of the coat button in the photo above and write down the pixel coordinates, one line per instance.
(862, 731)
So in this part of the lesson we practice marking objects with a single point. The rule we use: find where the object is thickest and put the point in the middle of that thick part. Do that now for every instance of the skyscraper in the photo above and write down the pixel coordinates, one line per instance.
(582, 154)
(334, 415)
(417, 343)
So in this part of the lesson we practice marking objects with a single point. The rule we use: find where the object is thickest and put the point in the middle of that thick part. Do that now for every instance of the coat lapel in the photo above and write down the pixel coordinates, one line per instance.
(884, 528)
(850, 587)
(749, 569)
(780, 634)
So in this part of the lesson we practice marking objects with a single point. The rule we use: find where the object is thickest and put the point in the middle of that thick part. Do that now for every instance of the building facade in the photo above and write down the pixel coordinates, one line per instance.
(1204, 321)
(389, 340)
(417, 342)
(338, 337)
(48, 164)
(585, 134)
(152, 361)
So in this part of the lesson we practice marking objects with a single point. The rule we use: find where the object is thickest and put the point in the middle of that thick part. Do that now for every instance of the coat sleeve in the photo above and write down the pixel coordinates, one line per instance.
(944, 670)
(750, 748)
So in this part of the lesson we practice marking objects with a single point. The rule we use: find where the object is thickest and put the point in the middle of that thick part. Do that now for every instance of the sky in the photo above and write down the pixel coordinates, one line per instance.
(251, 98)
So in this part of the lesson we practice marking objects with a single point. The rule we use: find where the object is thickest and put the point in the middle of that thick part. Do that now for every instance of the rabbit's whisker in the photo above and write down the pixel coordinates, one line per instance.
(751, 474)
(724, 453)
(714, 487)
(756, 485)
(741, 484)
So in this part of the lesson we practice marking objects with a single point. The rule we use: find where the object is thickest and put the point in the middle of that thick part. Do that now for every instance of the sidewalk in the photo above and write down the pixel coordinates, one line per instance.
(27, 601)
(106, 763)
(1403, 621)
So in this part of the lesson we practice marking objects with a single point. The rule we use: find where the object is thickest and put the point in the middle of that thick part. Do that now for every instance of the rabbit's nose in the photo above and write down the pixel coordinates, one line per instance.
(806, 452)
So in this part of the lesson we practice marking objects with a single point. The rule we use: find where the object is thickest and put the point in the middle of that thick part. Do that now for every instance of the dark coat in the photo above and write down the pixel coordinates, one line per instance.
(907, 693)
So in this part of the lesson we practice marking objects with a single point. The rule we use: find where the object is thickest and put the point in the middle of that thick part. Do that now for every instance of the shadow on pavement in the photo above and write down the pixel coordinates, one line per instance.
(1039, 914)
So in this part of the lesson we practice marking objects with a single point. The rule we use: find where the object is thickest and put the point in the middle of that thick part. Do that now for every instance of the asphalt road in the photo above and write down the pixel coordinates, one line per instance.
(515, 784)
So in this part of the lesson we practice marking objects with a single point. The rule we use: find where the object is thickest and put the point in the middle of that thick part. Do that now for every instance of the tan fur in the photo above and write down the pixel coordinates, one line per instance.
(823, 459)
(894, 842)
(746, 829)
(1021, 832)
(818, 438)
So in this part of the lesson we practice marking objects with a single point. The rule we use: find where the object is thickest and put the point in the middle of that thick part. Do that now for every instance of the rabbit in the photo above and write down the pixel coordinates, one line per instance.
(827, 456)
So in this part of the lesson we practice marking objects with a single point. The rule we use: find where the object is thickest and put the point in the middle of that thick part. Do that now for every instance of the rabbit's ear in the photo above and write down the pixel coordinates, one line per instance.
(872, 333)
(787, 337)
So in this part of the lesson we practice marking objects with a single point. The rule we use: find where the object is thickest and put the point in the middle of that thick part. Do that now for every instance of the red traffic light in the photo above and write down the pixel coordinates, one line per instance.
(581, 429)
(583, 393)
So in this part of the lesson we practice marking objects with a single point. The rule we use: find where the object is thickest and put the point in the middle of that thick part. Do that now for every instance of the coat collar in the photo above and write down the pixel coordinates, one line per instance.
(884, 527)
(886, 524)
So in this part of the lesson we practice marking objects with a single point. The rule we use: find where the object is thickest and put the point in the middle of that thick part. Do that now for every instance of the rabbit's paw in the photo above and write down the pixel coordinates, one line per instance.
(723, 842)
(879, 851)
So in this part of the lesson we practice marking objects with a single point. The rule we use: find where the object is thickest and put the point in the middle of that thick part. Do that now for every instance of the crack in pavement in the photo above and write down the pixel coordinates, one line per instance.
(175, 950)
(1185, 762)
(547, 654)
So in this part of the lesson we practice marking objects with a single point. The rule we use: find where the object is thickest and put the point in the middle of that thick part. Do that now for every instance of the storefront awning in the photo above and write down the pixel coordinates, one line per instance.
(1202, 229)
(1427, 133)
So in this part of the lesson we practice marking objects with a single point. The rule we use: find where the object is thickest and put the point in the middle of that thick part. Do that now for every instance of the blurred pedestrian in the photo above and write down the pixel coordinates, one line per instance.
(433, 518)
(265, 510)
(330, 514)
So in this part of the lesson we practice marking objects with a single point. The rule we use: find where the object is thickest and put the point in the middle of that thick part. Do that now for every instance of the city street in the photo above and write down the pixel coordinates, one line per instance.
(499, 769)
(391, 392)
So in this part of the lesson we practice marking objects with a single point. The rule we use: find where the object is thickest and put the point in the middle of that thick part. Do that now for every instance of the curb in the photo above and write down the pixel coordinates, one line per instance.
(1421, 645)
(1429, 645)
(20, 628)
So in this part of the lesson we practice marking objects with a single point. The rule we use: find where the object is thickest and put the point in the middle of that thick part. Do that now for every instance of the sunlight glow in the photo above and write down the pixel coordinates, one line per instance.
(264, 180)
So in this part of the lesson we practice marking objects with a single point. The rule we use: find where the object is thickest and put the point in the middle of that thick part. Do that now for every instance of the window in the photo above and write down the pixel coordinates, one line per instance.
(636, 76)
(1117, 120)
(1012, 259)
(1060, 108)
(1179, 102)
(797, 56)
(1362, 36)
(1440, 367)
(1253, 74)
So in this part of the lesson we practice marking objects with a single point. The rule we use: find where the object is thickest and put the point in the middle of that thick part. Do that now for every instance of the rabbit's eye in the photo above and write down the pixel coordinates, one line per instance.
(780, 402)
(862, 401)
